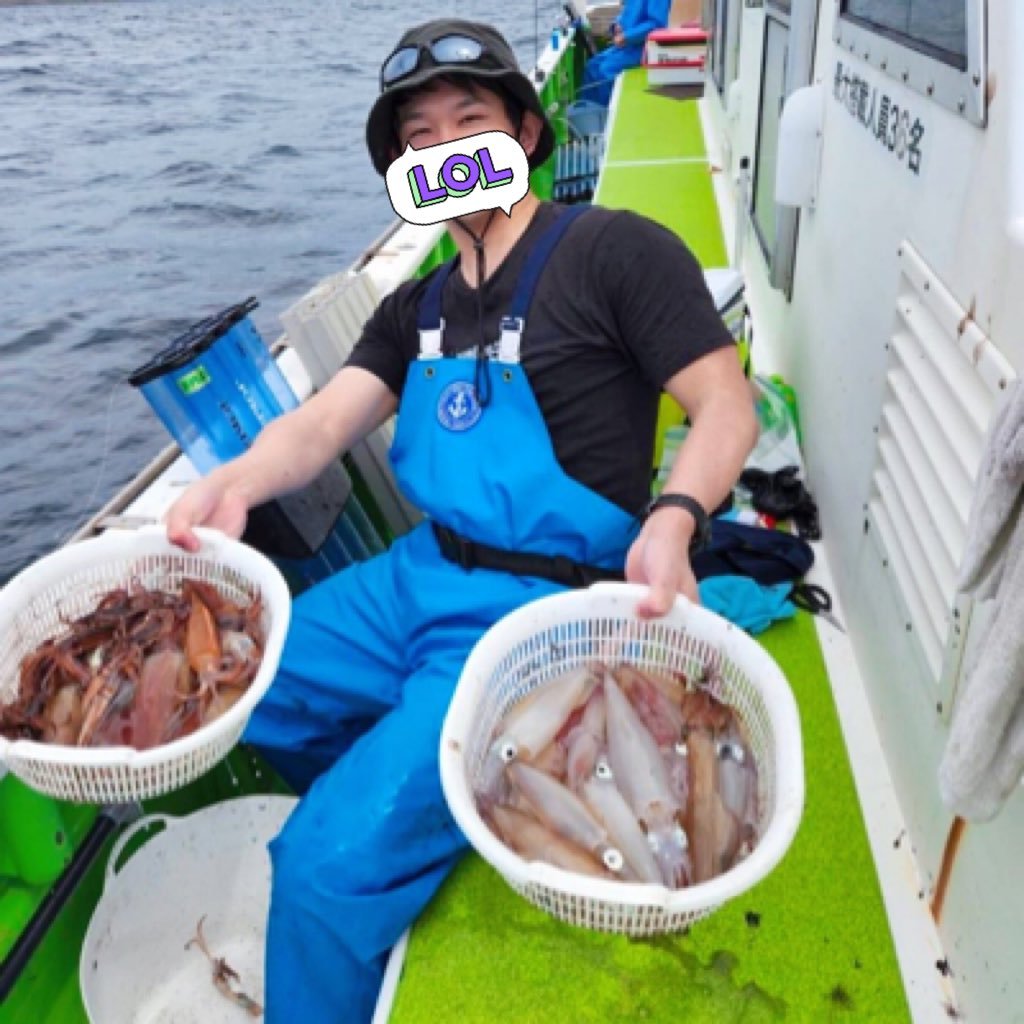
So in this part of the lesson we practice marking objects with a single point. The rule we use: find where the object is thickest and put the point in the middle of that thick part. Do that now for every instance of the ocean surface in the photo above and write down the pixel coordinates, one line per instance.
(159, 161)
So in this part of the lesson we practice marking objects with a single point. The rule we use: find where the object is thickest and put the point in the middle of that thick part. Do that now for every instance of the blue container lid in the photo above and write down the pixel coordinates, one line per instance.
(196, 340)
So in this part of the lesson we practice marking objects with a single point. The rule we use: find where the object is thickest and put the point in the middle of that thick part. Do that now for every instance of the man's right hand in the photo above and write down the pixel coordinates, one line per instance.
(207, 502)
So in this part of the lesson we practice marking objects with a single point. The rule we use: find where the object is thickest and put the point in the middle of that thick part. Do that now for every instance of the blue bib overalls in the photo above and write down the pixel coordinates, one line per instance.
(373, 656)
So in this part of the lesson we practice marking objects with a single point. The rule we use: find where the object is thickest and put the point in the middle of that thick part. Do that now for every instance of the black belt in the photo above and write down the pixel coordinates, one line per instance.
(471, 555)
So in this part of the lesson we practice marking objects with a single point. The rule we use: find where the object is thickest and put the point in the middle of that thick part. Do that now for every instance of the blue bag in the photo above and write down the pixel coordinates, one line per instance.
(767, 556)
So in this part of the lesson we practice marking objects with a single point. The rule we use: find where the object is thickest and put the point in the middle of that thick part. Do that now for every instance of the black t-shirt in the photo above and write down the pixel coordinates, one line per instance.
(620, 308)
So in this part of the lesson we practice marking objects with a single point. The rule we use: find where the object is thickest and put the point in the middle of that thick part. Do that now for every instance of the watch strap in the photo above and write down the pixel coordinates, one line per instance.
(702, 524)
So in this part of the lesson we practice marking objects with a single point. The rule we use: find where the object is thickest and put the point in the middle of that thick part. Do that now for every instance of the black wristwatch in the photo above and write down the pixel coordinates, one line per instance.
(702, 529)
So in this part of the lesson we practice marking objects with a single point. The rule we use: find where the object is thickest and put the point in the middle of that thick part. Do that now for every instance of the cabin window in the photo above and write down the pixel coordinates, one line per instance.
(773, 94)
(725, 42)
(935, 27)
(786, 65)
(935, 47)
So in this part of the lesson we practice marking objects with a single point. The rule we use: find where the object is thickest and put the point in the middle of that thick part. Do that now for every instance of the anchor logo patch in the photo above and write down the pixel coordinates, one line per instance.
(458, 408)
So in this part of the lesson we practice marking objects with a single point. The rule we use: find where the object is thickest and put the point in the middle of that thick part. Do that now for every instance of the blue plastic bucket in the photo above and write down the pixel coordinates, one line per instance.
(215, 387)
(587, 118)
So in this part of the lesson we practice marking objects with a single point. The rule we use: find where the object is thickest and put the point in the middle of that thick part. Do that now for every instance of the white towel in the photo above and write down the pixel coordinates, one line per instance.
(984, 757)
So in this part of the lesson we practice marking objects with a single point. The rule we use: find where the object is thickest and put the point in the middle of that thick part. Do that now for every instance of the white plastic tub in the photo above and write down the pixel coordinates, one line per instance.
(135, 968)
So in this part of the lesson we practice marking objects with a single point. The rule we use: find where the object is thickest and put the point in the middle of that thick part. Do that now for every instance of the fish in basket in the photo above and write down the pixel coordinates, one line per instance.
(142, 668)
(129, 667)
(638, 776)
(624, 774)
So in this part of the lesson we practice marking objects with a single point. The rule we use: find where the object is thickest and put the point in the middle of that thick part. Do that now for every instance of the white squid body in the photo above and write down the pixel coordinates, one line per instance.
(534, 841)
(564, 812)
(662, 717)
(737, 778)
(609, 806)
(531, 725)
(640, 775)
(586, 742)
(677, 769)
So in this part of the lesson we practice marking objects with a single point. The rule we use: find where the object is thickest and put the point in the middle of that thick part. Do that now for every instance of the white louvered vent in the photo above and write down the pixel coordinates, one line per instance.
(943, 383)
(326, 322)
(322, 327)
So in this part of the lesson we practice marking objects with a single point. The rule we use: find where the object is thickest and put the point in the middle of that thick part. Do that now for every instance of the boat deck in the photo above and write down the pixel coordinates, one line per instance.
(809, 943)
(656, 164)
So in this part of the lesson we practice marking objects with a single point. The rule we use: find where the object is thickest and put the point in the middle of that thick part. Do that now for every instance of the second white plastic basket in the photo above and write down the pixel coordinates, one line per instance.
(546, 638)
(41, 600)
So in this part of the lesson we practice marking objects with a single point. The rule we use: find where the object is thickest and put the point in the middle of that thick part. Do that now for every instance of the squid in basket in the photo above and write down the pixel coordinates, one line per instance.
(143, 668)
(626, 773)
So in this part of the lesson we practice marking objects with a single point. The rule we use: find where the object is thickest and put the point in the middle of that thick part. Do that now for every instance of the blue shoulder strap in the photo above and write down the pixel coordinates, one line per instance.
(429, 314)
(537, 259)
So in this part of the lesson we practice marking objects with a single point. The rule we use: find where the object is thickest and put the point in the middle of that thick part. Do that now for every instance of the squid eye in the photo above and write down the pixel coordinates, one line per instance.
(603, 770)
(730, 751)
(508, 752)
(613, 860)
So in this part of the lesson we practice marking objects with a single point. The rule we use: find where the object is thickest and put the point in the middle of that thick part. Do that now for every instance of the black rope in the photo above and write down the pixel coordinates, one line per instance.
(481, 379)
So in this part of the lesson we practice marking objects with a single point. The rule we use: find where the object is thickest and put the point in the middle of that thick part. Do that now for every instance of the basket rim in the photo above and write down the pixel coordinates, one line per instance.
(620, 600)
(215, 546)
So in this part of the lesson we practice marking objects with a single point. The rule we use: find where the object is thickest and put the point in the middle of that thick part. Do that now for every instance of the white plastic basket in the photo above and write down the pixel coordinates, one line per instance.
(547, 637)
(42, 599)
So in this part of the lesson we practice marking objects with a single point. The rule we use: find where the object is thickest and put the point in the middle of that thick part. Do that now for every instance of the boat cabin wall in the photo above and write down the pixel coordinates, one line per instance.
(915, 203)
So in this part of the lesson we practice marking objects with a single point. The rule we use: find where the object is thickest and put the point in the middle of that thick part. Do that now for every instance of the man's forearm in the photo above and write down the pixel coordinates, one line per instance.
(292, 451)
(285, 457)
(714, 451)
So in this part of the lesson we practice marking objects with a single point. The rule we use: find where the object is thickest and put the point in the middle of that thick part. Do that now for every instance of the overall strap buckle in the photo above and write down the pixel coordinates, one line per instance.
(429, 316)
(571, 573)
(511, 337)
(430, 342)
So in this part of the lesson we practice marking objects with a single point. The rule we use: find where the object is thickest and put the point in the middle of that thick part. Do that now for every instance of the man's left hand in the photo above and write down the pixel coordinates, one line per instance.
(660, 557)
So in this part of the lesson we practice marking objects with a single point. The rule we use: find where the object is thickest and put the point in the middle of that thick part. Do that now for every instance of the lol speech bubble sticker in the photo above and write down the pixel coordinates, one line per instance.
(453, 179)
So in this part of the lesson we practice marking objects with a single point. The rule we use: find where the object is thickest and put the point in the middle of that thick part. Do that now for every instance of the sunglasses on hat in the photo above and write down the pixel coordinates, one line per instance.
(452, 49)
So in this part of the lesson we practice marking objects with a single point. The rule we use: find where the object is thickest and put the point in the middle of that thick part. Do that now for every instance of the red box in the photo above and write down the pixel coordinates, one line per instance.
(676, 56)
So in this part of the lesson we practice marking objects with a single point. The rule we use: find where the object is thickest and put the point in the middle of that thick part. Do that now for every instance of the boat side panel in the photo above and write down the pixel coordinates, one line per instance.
(960, 206)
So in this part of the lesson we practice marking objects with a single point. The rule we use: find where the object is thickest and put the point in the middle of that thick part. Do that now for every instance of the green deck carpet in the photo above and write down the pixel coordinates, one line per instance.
(679, 196)
(656, 165)
(809, 943)
(653, 125)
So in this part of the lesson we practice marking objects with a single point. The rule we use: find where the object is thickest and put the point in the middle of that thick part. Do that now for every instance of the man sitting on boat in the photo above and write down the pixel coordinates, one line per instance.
(533, 466)
(628, 38)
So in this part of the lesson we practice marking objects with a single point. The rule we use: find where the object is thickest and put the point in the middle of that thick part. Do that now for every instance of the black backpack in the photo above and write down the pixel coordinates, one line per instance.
(768, 556)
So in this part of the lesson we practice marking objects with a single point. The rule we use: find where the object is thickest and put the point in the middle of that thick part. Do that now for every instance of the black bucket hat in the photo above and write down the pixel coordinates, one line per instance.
(495, 61)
